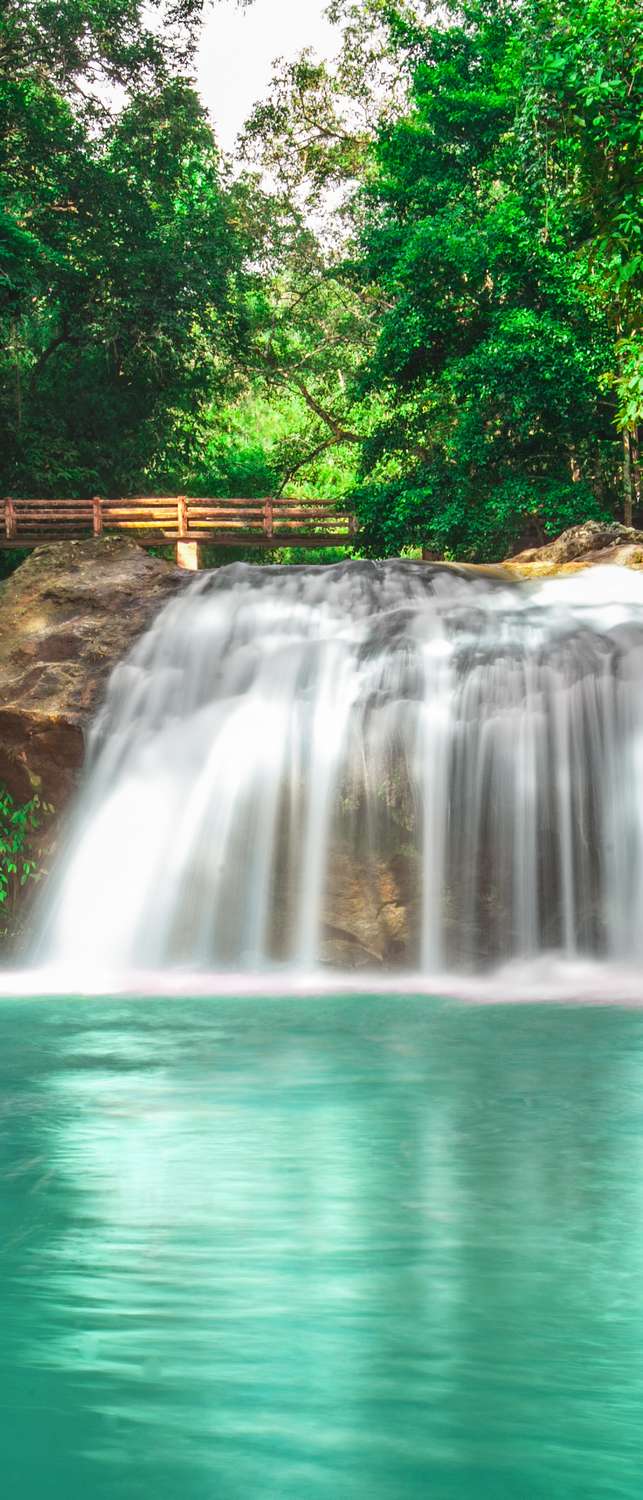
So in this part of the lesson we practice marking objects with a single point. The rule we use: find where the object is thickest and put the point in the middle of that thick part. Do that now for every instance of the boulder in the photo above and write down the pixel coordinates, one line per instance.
(66, 617)
(586, 546)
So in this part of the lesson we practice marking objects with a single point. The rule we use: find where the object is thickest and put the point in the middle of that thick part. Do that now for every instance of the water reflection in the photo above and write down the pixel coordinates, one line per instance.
(371, 1250)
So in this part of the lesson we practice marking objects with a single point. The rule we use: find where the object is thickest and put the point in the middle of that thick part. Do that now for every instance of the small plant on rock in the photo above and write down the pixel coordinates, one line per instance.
(17, 864)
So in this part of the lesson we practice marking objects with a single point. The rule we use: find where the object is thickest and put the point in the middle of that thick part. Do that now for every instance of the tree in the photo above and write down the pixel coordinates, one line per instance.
(584, 110)
(121, 277)
(313, 132)
(494, 429)
(79, 48)
(432, 300)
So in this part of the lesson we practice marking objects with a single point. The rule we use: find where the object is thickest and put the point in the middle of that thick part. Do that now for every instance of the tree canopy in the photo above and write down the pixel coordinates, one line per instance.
(419, 284)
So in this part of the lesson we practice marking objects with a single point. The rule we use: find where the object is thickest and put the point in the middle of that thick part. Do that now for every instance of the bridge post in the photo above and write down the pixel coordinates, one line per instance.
(10, 521)
(188, 554)
(268, 518)
(97, 515)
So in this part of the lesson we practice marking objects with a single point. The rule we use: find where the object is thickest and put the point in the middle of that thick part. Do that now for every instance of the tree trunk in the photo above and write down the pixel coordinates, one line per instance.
(628, 507)
(18, 377)
(636, 471)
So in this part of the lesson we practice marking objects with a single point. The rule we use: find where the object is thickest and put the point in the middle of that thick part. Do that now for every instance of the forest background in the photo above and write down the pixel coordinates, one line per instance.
(416, 285)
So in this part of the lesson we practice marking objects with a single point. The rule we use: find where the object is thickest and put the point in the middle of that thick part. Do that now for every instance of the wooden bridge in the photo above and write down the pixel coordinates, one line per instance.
(180, 522)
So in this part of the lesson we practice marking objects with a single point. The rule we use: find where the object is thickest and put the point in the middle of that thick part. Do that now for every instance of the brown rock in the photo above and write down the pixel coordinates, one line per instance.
(371, 905)
(586, 546)
(66, 617)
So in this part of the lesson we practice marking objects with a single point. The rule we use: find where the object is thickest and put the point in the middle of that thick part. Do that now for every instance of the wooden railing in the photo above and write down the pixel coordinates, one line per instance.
(153, 521)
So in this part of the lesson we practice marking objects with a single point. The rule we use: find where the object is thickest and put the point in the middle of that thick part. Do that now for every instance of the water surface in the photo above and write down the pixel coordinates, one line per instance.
(347, 1248)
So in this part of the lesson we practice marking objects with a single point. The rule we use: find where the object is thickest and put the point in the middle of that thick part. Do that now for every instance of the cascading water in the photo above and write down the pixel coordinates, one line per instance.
(371, 764)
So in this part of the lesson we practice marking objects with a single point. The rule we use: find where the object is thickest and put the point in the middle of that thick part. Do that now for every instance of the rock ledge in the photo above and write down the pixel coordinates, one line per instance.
(590, 545)
(66, 617)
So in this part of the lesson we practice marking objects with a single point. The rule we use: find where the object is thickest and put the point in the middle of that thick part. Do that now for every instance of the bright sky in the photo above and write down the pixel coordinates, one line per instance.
(239, 47)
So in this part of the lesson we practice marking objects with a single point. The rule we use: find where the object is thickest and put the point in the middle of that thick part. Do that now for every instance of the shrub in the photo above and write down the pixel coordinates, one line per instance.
(17, 863)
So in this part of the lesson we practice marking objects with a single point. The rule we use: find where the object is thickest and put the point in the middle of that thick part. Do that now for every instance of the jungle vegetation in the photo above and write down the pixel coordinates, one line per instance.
(418, 284)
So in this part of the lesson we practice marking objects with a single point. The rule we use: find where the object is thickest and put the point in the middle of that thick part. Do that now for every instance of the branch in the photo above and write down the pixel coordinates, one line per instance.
(309, 458)
(65, 337)
(290, 380)
(341, 434)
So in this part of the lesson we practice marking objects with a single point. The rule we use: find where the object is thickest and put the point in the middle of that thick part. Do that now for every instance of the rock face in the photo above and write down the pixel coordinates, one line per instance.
(586, 546)
(73, 610)
(66, 617)
(370, 914)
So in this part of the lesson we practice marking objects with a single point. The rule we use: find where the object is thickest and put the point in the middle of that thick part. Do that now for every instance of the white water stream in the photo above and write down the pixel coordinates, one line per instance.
(287, 749)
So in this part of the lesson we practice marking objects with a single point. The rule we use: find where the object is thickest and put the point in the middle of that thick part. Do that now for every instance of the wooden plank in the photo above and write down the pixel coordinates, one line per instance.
(126, 513)
(169, 501)
(328, 506)
(209, 518)
(228, 511)
(39, 539)
(142, 525)
(293, 516)
(27, 501)
(256, 540)
(74, 516)
(198, 505)
(198, 523)
(278, 539)
(214, 519)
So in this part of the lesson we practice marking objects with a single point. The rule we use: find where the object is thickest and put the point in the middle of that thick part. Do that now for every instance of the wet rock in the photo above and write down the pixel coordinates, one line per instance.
(66, 617)
(590, 545)
(340, 950)
(372, 905)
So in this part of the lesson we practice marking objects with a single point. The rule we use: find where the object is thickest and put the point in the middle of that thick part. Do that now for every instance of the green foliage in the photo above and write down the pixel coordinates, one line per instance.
(435, 510)
(490, 364)
(121, 321)
(435, 305)
(121, 273)
(80, 47)
(10, 559)
(584, 105)
(17, 827)
(313, 131)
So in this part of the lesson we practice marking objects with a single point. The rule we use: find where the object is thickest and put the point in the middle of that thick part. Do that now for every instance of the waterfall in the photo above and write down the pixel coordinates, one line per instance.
(373, 764)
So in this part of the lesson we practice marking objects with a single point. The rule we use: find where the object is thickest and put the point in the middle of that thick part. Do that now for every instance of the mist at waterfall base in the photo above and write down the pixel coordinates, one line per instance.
(396, 775)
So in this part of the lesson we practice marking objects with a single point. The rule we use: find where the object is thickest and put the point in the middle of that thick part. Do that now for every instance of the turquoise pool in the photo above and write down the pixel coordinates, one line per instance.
(345, 1249)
